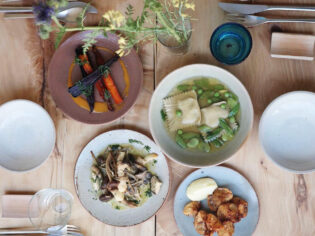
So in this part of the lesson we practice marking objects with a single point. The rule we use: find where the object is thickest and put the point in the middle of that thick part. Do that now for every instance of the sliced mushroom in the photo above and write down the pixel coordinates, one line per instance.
(140, 160)
(155, 185)
(108, 170)
(141, 168)
(120, 156)
(144, 176)
(95, 172)
(145, 160)
(106, 196)
(121, 167)
(104, 182)
(150, 157)
(113, 185)
(119, 196)
(122, 186)
(131, 176)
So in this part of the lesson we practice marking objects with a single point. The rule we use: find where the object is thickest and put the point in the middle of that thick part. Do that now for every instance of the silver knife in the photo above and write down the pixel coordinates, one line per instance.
(256, 8)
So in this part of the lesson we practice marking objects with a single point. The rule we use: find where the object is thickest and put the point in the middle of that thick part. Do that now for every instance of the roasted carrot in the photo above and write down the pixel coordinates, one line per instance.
(110, 85)
(107, 79)
(99, 84)
(86, 65)
(86, 69)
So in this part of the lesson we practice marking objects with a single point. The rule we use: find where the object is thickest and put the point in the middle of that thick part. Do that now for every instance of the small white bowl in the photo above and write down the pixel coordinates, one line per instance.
(287, 131)
(168, 145)
(27, 135)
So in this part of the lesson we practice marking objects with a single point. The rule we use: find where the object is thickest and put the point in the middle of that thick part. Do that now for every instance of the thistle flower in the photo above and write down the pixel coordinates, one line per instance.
(43, 13)
(115, 19)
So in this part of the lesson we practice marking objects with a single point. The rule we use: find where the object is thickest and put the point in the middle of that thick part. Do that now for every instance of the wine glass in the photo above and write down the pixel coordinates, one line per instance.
(50, 209)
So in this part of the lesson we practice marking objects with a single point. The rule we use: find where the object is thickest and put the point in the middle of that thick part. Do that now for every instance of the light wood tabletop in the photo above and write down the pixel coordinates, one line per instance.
(287, 201)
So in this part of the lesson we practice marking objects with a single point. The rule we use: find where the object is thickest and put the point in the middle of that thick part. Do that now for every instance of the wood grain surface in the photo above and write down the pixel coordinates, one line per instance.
(287, 201)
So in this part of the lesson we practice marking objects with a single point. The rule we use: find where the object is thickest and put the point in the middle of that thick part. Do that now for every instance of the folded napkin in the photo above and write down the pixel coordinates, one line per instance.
(15, 206)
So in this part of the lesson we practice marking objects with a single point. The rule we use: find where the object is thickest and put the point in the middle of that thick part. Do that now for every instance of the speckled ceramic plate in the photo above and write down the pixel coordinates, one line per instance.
(127, 73)
(104, 211)
(225, 177)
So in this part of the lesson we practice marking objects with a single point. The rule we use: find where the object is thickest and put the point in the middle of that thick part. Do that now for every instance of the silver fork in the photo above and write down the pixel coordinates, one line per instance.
(251, 20)
(67, 230)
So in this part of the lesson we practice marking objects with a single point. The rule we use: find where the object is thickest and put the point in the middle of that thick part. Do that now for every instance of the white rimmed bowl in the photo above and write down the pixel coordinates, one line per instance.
(287, 131)
(168, 145)
(27, 135)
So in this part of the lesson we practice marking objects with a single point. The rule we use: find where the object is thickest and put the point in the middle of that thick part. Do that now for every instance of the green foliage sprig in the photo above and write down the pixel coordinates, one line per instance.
(157, 17)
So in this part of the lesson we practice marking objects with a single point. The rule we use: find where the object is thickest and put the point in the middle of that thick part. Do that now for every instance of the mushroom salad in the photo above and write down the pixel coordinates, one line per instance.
(121, 176)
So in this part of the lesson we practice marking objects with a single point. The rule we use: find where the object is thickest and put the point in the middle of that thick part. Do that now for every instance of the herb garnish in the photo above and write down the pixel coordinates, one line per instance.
(147, 148)
(80, 62)
(114, 147)
(163, 115)
(148, 193)
(171, 15)
(135, 141)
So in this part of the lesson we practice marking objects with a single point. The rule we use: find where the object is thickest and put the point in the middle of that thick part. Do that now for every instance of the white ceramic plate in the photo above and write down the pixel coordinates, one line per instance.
(225, 177)
(287, 131)
(168, 145)
(104, 211)
(27, 135)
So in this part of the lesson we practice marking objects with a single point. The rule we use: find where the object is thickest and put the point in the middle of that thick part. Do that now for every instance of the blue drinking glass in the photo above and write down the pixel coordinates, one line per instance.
(231, 43)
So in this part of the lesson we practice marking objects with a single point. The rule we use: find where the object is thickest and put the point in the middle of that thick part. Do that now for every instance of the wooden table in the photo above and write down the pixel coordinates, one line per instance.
(287, 202)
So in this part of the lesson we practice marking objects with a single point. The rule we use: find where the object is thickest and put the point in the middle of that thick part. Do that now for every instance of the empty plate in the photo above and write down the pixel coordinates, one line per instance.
(224, 177)
(27, 135)
(287, 131)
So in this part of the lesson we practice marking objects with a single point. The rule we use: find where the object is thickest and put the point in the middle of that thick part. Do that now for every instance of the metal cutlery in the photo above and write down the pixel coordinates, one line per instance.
(65, 14)
(67, 230)
(251, 20)
(256, 8)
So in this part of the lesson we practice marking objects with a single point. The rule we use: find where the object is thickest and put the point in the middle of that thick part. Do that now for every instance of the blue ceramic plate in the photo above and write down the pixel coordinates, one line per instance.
(224, 177)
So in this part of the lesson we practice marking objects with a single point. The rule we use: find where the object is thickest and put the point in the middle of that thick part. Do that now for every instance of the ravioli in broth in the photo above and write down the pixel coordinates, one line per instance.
(201, 114)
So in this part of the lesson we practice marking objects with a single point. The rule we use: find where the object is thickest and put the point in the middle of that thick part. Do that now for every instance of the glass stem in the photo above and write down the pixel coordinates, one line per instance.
(165, 22)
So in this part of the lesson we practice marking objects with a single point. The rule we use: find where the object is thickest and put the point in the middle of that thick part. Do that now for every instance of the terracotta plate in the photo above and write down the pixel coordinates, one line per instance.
(104, 211)
(127, 73)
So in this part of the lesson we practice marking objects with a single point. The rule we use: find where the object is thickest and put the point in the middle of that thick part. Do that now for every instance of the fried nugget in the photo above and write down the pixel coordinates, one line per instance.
(191, 209)
(213, 223)
(242, 206)
(200, 223)
(227, 229)
(219, 196)
(228, 212)
(210, 233)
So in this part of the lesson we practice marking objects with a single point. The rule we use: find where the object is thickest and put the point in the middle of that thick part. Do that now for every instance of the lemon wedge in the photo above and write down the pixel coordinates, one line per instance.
(199, 189)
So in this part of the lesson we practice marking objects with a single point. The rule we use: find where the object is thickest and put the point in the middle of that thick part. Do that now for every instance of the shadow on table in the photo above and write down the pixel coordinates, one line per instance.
(279, 87)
